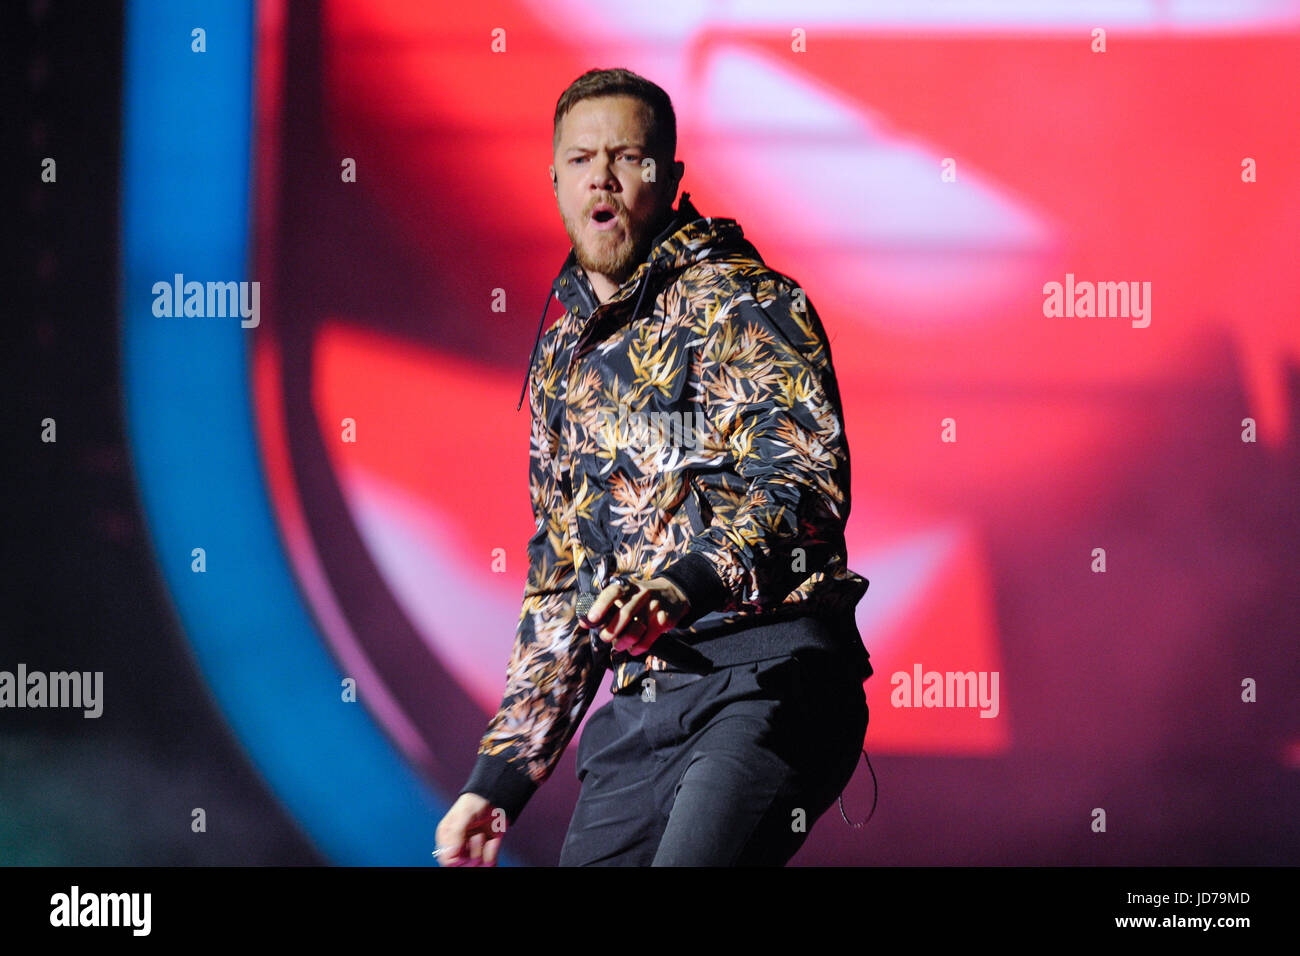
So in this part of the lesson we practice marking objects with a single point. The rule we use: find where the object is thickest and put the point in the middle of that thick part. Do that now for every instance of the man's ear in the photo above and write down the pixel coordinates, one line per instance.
(555, 183)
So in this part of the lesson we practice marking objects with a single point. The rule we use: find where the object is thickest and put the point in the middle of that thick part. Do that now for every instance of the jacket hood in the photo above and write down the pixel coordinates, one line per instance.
(688, 238)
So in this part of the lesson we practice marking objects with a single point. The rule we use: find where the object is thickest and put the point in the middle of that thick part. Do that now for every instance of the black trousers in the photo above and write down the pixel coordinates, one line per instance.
(730, 768)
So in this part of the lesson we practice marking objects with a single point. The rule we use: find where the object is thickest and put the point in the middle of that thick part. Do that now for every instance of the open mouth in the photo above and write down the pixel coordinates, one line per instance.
(603, 215)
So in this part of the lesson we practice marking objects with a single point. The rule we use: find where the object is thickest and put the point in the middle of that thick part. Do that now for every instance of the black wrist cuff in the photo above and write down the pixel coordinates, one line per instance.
(501, 783)
(705, 591)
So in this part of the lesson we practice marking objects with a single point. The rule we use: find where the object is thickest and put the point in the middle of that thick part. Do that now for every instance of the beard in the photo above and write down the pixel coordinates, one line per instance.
(610, 254)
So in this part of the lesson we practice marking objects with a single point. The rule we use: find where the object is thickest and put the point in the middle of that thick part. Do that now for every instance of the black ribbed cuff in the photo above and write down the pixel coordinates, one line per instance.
(501, 783)
(695, 575)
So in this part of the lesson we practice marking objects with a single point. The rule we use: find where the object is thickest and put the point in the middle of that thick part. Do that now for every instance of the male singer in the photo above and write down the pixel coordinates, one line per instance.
(689, 478)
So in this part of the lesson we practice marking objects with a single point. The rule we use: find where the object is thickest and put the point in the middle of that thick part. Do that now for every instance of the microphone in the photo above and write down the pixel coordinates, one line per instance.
(582, 604)
(671, 649)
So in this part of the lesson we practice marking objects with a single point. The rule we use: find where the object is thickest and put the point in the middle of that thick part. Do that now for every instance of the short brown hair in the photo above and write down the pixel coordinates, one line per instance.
(620, 82)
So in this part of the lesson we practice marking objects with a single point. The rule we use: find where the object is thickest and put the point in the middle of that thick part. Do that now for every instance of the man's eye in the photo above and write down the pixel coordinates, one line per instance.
(577, 159)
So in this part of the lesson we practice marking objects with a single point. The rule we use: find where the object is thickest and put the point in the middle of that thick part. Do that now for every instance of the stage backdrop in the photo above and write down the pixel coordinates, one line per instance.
(1093, 509)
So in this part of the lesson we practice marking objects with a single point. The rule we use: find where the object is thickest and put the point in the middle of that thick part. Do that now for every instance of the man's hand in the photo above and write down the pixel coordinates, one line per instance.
(470, 834)
(635, 617)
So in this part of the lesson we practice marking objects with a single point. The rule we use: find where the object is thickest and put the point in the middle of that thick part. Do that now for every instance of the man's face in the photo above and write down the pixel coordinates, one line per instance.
(610, 213)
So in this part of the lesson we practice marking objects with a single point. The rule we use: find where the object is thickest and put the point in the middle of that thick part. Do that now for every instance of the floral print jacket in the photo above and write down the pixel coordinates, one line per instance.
(690, 427)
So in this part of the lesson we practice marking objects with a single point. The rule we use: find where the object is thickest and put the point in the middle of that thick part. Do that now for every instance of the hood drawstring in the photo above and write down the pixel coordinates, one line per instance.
(532, 356)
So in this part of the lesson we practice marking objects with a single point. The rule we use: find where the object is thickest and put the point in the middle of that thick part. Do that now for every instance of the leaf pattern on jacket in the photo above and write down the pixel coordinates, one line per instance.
(737, 347)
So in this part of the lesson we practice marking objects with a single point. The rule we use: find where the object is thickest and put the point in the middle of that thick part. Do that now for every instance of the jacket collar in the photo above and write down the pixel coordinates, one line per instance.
(688, 237)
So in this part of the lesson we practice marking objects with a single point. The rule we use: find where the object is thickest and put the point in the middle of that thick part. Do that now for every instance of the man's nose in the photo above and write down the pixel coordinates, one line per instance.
(602, 174)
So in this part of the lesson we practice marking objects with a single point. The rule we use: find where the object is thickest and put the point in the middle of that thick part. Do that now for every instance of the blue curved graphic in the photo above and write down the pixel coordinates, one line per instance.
(185, 209)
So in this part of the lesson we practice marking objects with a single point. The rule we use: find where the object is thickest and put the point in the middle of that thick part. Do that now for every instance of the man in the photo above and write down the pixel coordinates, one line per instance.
(689, 471)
